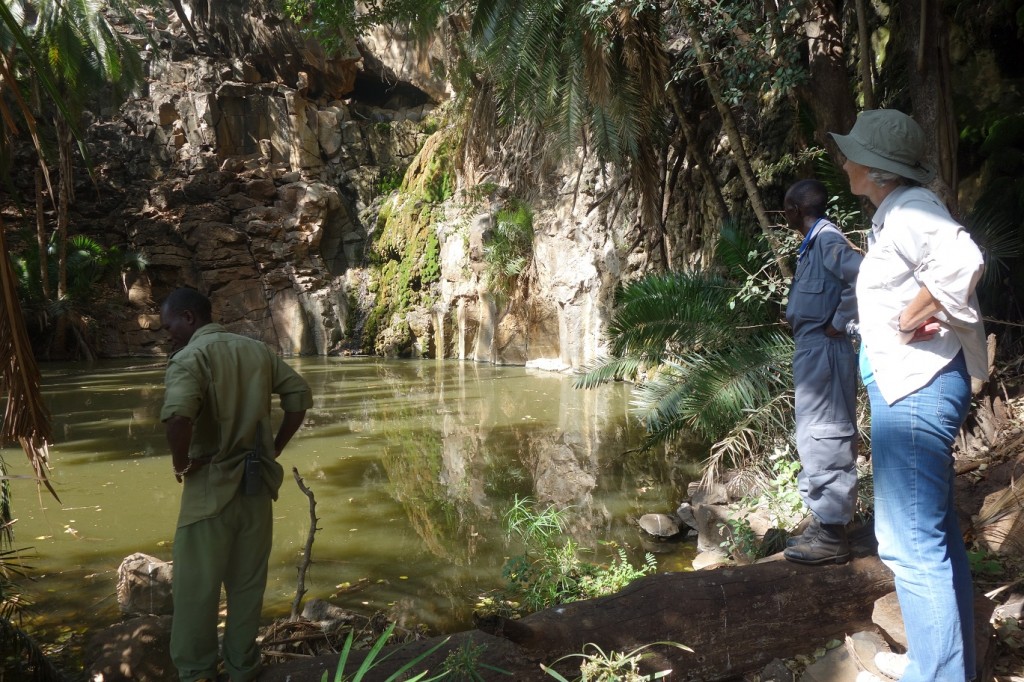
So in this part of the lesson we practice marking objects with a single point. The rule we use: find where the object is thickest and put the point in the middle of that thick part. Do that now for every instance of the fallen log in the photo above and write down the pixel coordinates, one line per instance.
(736, 619)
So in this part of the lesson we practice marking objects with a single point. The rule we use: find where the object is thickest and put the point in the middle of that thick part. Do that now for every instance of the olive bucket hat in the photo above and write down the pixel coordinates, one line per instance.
(889, 140)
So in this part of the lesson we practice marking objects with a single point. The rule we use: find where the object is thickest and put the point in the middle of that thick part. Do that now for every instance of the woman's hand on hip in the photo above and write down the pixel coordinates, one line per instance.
(925, 330)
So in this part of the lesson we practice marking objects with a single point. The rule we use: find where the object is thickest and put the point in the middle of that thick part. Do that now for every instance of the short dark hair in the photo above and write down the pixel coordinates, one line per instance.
(187, 298)
(810, 196)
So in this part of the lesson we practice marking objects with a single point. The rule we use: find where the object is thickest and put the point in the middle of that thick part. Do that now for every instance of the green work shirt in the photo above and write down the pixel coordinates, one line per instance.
(223, 382)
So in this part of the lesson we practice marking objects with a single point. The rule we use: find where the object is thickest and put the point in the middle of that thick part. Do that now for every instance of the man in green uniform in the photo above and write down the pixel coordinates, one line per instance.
(217, 415)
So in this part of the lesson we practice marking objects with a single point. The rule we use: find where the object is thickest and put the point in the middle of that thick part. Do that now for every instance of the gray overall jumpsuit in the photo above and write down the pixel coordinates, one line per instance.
(825, 373)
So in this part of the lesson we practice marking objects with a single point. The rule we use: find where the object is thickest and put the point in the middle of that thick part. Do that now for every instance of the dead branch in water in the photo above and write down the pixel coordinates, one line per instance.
(307, 552)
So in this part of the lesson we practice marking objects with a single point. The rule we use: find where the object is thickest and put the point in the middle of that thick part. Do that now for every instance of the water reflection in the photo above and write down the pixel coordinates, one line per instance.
(412, 464)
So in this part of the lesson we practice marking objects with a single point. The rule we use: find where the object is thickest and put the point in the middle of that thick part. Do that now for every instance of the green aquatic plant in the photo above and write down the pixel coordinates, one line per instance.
(464, 664)
(550, 571)
(598, 666)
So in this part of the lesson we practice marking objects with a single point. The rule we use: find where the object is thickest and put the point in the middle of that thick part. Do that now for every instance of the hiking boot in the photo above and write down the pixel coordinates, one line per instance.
(808, 532)
(827, 545)
(891, 665)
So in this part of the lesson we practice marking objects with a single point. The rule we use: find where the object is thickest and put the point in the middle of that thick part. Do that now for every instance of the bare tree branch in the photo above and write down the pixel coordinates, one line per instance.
(307, 552)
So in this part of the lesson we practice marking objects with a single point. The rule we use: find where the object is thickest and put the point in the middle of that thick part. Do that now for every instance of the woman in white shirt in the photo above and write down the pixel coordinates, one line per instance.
(922, 341)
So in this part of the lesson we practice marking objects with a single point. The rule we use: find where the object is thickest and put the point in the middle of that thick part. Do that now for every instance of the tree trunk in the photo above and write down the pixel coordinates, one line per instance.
(41, 241)
(186, 23)
(828, 93)
(735, 619)
(732, 131)
(927, 55)
(65, 189)
(696, 154)
(65, 193)
(864, 59)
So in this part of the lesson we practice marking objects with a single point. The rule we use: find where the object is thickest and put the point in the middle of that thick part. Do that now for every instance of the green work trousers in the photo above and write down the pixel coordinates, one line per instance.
(232, 549)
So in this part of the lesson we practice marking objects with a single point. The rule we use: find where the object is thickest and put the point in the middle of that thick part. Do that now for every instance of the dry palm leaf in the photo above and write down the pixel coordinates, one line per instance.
(25, 417)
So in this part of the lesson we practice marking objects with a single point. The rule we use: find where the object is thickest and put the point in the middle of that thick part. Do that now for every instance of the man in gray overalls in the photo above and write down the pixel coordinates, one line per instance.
(822, 303)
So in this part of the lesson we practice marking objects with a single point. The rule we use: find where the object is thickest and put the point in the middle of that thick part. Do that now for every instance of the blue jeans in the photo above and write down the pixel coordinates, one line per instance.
(916, 523)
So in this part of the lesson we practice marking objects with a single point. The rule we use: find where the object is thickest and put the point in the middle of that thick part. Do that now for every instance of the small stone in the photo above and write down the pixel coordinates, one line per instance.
(776, 671)
(834, 666)
(709, 559)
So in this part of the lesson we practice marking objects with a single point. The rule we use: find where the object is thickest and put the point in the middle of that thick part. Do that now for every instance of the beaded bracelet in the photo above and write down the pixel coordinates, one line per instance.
(188, 468)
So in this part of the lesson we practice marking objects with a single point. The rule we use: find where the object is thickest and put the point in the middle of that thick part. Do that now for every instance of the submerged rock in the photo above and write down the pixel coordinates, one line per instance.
(660, 525)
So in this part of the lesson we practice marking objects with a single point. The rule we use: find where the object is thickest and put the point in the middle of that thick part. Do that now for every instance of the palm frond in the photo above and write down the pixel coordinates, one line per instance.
(83, 48)
(684, 309)
(25, 417)
(608, 368)
(572, 106)
(581, 72)
(709, 392)
(764, 423)
(10, 19)
(22, 658)
(999, 239)
(737, 249)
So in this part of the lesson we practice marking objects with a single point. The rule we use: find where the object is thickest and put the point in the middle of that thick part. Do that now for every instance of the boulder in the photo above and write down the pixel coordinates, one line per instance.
(137, 650)
(685, 514)
(144, 585)
(888, 616)
(660, 525)
(720, 526)
(709, 559)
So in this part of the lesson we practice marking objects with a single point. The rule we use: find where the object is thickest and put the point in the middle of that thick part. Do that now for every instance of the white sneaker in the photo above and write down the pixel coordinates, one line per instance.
(891, 665)
(865, 676)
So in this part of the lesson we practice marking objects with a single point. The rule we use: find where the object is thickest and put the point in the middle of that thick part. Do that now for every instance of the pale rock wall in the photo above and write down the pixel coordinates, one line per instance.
(257, 192)
(250, 191)
(579, 257)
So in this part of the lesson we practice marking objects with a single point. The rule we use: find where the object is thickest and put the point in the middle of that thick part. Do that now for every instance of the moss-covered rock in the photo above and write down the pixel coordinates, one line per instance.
(405, 251)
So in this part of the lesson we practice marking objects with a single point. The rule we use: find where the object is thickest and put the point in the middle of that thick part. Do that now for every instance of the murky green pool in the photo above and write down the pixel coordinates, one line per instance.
(413, 464)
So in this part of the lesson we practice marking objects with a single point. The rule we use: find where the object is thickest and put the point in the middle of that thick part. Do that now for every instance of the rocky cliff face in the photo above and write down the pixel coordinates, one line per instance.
(261, 182)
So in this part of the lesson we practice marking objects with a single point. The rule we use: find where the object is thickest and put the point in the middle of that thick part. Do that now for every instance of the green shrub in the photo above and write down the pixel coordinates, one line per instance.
(509, 250)
(741, 540)
(388, 180)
